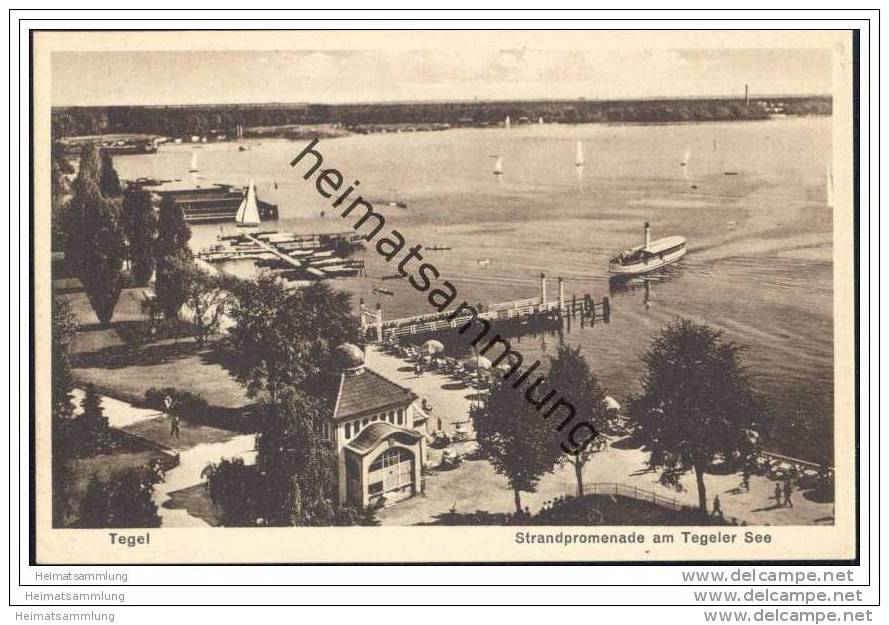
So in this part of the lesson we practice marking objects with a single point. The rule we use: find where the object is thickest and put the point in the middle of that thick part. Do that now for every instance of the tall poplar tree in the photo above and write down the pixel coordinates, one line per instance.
(94, 238)
(141, 229)
(170, 248)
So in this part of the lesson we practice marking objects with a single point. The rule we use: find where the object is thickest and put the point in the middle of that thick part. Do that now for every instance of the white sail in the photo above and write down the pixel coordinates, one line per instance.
(579, 160)
(498, 165)
(194, 162)
(540, 121)
(686, 157)
(506, 123)
(248, 211)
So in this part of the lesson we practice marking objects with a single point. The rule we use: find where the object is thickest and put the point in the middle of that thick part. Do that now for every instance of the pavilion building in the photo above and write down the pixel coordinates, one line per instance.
(378, 431)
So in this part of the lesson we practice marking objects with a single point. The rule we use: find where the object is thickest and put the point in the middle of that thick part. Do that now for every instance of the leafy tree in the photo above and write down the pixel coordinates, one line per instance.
(516, 438)
(570, 370)
(279, 337)
(141, 229)
(60, 190)
(92, 433)
(294, 482)
(89, 166)
(206, 296)
(298, 463)
(123, 501)
(698, 404)
(331, 313)
(171, 282)
(170, 248)
(236, 490)
(64, 327)
(94, 240)
(62, 411)
(109, 183)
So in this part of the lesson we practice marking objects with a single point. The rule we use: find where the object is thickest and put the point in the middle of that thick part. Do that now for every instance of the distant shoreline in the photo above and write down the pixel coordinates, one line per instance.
(290, 121)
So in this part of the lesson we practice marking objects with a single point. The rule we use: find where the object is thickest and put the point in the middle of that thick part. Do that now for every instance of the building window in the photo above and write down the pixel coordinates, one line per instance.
(364, 422)
(391, 416)
(375, 489)
(401, 416)
(348, 431)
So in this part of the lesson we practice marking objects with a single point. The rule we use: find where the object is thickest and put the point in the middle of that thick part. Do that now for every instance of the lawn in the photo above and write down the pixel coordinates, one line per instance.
(119, 365)
(158, 430)
(127, 372)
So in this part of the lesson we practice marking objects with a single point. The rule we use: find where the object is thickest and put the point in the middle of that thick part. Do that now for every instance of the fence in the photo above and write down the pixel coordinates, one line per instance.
(633, 492)
(802, 466)
(641, 494)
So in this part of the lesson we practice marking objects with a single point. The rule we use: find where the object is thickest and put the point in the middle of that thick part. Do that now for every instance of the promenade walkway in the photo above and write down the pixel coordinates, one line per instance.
(475, 486)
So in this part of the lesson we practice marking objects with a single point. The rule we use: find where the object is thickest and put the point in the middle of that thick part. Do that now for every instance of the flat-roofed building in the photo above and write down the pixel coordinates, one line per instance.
(209, 203)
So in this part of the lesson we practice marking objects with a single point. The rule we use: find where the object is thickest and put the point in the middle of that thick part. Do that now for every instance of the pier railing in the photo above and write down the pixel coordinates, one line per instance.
(583, 307)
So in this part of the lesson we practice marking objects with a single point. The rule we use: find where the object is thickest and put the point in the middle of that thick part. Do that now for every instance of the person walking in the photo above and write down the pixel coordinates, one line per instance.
(170, 409)
(717, 507)
(788, 491)
(745, 480)
(778, 494)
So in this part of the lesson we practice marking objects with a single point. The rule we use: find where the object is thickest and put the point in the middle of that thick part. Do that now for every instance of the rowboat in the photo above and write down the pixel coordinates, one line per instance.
(649, 256)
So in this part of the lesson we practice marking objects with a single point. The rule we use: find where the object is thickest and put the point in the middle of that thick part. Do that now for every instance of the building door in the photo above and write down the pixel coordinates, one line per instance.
(395, 469)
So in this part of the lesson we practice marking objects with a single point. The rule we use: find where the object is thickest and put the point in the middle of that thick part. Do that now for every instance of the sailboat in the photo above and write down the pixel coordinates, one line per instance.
(579, 162)
(248, 211)
(498, 166)
(194, 163)
(506, 123)
(685, 158)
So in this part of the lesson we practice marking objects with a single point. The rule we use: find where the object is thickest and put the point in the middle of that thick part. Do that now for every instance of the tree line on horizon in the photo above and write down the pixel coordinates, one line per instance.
(175, 121)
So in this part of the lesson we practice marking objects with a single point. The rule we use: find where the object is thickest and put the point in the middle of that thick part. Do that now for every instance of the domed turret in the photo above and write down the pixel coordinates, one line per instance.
(349, 358)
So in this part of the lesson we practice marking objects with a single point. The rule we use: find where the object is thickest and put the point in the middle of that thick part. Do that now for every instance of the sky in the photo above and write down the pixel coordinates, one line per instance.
(342, 76)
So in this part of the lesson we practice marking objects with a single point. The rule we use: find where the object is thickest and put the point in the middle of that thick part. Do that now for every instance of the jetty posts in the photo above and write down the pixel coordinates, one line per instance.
(513, 318)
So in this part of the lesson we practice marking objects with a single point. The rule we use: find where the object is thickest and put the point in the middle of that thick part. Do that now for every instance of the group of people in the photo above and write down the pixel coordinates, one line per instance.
(786, 491)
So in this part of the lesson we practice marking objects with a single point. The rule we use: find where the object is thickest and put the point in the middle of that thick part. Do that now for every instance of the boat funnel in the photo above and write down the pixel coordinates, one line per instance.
(647, 234)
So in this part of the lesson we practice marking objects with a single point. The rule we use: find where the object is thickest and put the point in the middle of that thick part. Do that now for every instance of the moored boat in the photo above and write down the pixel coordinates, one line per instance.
(649, 256)
(248, 211)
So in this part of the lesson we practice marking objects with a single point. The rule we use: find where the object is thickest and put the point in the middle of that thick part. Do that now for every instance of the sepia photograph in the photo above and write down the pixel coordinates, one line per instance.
(451, 296)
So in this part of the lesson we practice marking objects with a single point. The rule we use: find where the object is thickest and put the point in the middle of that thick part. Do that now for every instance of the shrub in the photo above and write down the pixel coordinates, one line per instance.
(234, 488)
(187, 404)
(123, 501)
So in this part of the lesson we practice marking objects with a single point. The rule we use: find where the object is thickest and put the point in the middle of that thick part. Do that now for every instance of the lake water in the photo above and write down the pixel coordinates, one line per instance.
(759, 265)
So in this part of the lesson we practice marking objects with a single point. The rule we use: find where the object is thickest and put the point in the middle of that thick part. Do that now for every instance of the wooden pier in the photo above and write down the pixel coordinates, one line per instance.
(581, 309)
(268, 247)
(292, 256)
